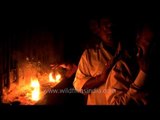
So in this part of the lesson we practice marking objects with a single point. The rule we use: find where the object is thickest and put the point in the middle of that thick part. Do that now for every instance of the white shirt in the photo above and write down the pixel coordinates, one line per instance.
(116, 90)
(91, 64)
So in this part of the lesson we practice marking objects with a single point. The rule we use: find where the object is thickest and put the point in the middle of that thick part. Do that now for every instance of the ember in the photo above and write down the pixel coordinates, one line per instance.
(56, 78)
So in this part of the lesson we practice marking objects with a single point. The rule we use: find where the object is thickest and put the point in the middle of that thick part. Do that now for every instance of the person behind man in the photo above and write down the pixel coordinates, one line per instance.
(95, 63)
(130, 87)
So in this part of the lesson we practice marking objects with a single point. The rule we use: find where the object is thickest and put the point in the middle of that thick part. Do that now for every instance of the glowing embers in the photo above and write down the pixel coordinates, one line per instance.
(55, 77)
(35, 93)
(33, 81)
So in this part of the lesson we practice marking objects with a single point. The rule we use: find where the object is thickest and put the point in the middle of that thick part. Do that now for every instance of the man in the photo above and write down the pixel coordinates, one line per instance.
(95, 64)
(129, 87)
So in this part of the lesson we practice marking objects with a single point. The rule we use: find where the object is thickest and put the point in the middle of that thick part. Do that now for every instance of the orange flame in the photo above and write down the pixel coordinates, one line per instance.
(36, 89)
(56, 79)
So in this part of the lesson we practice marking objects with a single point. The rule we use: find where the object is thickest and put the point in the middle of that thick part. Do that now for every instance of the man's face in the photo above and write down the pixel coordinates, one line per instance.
(105, 30)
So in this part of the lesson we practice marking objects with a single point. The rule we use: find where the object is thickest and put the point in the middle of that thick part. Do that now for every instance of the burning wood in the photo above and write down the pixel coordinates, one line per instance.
(29, 91)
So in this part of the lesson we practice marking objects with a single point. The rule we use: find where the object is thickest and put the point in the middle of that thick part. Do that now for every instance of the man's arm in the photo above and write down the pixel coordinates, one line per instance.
(101, 79)
(88, 83)
(133, 92)
(94, 82)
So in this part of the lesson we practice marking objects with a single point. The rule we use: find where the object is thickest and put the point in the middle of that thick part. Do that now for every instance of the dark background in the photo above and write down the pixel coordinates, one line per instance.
(67, 31)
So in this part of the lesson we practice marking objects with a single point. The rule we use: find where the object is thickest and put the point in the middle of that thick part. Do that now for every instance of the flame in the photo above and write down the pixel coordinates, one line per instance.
(56, 79)
(36, 89)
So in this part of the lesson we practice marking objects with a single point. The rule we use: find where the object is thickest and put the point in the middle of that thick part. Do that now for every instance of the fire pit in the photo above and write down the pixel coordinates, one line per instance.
(34, 81)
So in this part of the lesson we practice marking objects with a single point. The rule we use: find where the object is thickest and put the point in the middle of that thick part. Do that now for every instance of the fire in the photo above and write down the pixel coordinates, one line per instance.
(56, 79)
(31, 86)
(36, 89)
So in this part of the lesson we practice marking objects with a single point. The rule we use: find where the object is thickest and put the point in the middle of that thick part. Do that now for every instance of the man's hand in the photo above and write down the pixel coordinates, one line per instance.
(70, 68)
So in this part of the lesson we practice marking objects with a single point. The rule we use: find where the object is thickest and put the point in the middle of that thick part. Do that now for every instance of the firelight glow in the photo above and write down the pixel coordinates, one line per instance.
(36, 89)
(56, 79)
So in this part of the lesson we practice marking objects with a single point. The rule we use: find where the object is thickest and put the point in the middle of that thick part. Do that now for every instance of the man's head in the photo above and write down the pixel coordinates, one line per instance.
(102, 28)
(105, 30)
